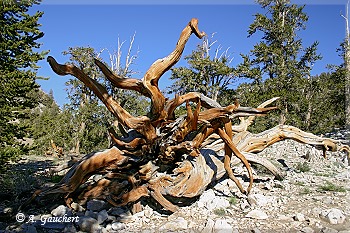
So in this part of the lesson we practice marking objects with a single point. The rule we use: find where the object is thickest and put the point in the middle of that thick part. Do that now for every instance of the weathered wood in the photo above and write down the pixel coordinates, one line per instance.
(142, 124)
(159, 67)
(162, 156)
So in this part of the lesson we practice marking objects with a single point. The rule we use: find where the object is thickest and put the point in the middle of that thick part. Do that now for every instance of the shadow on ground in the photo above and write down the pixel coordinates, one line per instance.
(18, 183)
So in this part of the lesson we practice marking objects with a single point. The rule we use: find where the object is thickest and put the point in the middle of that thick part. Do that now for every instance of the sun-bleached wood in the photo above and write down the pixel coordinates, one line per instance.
(162, 156)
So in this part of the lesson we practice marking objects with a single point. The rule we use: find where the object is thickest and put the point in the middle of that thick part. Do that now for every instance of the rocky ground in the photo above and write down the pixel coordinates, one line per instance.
(313, 197)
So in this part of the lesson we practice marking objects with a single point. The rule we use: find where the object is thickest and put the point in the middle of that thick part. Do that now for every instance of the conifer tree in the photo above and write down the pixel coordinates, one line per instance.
(279, 63)
(19, 35)
(208, 74)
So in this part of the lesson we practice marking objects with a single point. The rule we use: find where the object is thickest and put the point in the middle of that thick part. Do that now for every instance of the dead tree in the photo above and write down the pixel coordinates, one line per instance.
(164, 157)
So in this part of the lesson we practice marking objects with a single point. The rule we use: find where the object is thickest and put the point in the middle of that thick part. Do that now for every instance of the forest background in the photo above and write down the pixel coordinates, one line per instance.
(272, 60)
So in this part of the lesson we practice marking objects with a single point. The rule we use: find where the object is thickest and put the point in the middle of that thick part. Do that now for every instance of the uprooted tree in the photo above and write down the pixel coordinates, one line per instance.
(164, 157)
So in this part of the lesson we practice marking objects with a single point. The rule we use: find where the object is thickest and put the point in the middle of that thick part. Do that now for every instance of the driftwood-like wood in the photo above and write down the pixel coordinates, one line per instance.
(163, 157)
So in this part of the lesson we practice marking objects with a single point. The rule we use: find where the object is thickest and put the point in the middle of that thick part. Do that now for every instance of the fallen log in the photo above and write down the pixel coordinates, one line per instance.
(162, 156)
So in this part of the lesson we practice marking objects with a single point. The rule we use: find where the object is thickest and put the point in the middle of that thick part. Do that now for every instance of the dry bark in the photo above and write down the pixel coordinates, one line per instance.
(163, 156)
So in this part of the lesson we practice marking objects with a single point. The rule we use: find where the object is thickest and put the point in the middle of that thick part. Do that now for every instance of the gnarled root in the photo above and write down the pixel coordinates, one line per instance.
(161, 156)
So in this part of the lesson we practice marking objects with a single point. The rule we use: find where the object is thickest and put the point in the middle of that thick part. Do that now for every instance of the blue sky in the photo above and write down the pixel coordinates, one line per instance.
(98, 24)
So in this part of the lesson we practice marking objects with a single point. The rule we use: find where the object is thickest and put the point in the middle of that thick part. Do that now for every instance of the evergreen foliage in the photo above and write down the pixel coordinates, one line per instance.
(82, 125)
(206, 74)
(89, 118)
(19, 33)
(279, 65)
(48, 122)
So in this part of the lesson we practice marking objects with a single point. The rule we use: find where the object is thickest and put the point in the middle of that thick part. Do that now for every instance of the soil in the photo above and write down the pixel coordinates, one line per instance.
(313, 186)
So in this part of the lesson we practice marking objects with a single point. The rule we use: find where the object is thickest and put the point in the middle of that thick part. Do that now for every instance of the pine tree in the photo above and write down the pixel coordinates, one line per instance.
(19, 33)
(45, 123)
(279, 64)
(328, 89)
(92, 122)
(207, 74)
(89, 119)
(346, 58)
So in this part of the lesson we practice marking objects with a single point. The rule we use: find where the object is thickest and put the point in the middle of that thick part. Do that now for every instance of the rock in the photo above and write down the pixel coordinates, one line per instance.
(299, 217)
(209, 200)
(147, 231)
(111, 218)
(96, 205)
(259, 199)
(97, 177)
(316, 211)
(139, 214)
(218, 203)
(333, 216)
(328, 230)
(88, 224)
(256, 230)
(76, 207)
(235, 230)
(109, 228)
(60, 210)
(102, 216)
(91, 214)
(26, 228)
(283, 217)
(119, 211)
(257, 214)
(327, 200)
(268, 186)
(117, 226)
(209, 226)
(206, 197)
(244, 205)
(54, 225)
(7, 210)
(307, 230)
(221, 226)
(69, 229)
(175, 225)
(148, 211)
(146, 220)
(222, 187)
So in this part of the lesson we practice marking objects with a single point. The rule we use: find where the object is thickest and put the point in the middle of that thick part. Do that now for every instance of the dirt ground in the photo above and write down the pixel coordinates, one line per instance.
(313, 186)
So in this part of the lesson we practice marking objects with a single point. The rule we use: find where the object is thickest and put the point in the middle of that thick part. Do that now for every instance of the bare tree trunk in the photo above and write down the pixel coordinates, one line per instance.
(284, 112)
(84, 101)
(347, 85)
(308, 115)
(347, 90)
(309, 96)
(80, 133)
(347, 67)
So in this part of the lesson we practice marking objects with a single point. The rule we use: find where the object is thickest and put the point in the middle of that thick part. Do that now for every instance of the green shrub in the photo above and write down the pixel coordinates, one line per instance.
(303, 167)
(329, 186)
(56, 178)
(233, 200)
(299, 183)
(305, 190)
(220, 212)
(9, 153)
